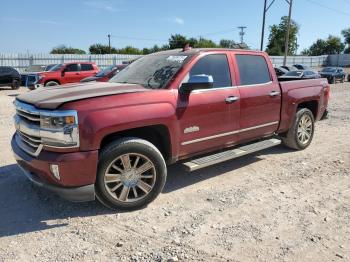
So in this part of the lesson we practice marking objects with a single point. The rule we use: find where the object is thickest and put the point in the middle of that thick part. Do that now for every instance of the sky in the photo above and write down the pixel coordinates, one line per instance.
(36, 26)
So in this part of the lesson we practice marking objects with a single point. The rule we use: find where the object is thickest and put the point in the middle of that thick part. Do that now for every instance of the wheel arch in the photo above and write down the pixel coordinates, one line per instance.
(312, 105)
(158, 135)
(54, 80)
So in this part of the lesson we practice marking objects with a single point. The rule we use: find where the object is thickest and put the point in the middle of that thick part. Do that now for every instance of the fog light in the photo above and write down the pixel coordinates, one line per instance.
(55, 171)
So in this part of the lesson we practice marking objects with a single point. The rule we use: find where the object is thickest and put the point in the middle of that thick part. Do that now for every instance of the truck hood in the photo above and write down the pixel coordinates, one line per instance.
(54, 96)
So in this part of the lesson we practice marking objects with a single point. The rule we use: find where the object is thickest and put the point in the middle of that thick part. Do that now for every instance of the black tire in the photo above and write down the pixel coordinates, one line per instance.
(110, 153)
(51, 83)
(334, 80)
(342, 80)
(15, 84)
(291, 138)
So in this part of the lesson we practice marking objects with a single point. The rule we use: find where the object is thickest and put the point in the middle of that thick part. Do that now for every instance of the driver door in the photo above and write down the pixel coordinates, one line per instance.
(209, 118)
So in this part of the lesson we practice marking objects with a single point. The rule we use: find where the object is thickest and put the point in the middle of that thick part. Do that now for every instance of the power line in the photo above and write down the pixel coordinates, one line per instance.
(329, 8)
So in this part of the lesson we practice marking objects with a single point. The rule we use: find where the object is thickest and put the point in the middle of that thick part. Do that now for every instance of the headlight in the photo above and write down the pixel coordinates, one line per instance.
(59, 129)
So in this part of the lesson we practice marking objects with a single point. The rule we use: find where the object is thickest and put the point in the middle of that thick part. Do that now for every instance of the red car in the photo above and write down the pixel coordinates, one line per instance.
(63, 74)
(105, 75)
(114, 140)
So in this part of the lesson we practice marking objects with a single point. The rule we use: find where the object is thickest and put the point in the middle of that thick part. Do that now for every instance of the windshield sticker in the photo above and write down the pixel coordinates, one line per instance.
(177, 58)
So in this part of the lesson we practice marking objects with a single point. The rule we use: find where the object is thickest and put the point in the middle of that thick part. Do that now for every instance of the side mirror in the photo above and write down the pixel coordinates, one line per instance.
(197, 82)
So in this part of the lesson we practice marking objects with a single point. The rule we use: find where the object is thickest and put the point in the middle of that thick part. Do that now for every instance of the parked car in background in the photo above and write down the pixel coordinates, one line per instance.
(348, 77)
(9, 77)
(105, 74)
(333, 74)
(299, 74)
(301, 67)
(114, 140)
(63, 74)
(280, 71)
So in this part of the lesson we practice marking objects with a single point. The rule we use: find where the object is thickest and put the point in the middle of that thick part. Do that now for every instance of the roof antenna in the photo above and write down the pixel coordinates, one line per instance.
(186, 47)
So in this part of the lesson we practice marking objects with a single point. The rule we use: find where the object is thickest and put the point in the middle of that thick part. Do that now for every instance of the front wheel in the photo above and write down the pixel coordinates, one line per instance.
(131, 173)
(52, 83)
(300, 135)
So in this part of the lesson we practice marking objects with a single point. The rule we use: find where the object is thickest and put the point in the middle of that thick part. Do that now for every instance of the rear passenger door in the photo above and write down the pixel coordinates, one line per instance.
(86, 70)
(71, 74)
(259, 96)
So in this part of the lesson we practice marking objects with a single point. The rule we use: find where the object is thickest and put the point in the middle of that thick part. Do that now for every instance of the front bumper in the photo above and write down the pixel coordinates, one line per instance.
(77, 172)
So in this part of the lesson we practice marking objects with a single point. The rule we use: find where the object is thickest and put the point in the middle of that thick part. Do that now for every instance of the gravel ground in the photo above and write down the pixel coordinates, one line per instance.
(277, 205)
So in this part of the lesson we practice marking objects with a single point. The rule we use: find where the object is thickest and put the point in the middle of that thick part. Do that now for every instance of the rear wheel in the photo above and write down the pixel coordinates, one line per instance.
(131, 173)
(300, 135)
(51, 83)
(15, 84)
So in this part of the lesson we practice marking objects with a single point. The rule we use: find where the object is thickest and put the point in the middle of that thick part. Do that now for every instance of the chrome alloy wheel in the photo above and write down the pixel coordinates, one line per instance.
(305, 129)
(130, 177)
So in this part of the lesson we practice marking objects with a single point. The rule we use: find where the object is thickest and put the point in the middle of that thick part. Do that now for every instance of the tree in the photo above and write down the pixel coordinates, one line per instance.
(204, 43)
(62, 49)
(277, 36)
(346, 35)
(101, 49)
(331, 45)
(177, 41)
(129, 50)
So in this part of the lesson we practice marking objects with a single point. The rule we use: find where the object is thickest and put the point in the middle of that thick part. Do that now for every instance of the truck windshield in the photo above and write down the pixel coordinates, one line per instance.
(56, 68)
(152, 71)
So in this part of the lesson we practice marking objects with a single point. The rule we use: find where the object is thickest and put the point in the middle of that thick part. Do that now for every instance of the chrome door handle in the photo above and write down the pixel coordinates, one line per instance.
(231, 99)
(274, 93)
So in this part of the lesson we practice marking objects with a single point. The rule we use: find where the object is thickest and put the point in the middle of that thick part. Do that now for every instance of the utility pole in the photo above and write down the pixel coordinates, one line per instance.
(242, 33)
(109, 42)
(286, 44)
(266, 8)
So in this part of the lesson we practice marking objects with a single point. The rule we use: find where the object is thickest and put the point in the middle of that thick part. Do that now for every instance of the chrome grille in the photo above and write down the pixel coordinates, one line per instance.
(27, 123)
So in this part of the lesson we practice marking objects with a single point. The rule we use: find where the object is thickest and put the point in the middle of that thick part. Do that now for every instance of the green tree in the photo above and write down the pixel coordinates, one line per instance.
(101, 49)
(129, 50)
(62, 49)
(177, 41)
(331, 45)
(277, 36)
(346, 35)
(204, 43)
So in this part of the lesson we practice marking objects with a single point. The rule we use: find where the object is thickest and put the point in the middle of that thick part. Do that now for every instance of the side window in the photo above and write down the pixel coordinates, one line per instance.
(253, 69)
(72, 68)
(86, 67)
(215, 65)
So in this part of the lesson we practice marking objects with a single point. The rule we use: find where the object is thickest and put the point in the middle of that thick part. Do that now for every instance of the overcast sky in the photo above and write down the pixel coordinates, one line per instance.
(37, 26)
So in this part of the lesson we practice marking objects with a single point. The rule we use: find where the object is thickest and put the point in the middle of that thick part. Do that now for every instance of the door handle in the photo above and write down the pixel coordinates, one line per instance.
(274, 93)
(77, 73)
(231, 99)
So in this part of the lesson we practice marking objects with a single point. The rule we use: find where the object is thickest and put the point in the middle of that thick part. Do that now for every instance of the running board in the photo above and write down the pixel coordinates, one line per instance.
(198, 163)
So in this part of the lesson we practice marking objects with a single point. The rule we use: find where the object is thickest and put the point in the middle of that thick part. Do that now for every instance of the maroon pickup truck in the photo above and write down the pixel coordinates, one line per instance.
(114, 140)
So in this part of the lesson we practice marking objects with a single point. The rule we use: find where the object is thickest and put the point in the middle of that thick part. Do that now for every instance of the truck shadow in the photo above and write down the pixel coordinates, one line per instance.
(179, 178)
(26, 208)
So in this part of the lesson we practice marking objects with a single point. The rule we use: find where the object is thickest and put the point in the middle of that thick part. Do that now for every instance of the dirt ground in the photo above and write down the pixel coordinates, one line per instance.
(277, 205)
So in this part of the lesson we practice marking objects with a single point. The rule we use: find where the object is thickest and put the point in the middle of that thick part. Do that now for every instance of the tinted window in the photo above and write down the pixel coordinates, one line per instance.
(216, 66)
(252, 69)
(71, 68)
(86, 67)
(294, 73)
